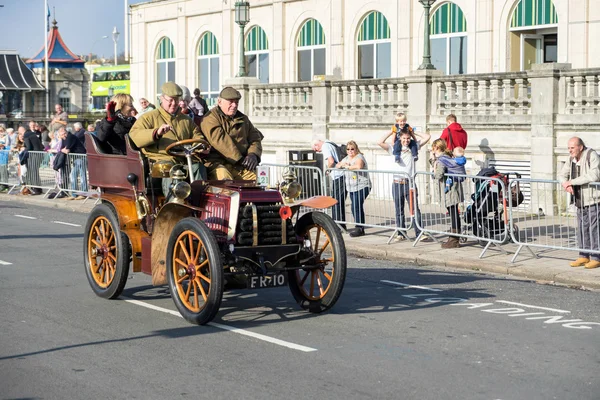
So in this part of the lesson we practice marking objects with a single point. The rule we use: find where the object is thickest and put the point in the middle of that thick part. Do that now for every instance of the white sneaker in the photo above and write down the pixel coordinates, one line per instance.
(400, 238)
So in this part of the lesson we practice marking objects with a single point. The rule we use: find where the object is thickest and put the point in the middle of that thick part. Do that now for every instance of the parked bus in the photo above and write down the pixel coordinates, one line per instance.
(108, 81)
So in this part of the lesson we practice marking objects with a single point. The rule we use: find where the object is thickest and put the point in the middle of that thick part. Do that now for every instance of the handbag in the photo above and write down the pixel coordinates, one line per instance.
(59, 161)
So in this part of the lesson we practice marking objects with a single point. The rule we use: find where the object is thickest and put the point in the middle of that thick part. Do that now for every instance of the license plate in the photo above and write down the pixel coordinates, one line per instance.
(267, 281)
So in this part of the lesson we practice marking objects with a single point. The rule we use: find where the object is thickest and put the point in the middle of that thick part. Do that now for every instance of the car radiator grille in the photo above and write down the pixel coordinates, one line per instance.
(269, 226)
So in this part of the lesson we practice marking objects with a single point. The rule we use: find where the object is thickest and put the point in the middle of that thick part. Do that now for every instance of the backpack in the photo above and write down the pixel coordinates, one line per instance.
(340, 150)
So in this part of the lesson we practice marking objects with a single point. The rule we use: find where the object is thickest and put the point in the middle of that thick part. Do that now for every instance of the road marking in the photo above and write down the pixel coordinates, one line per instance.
(233, 329)
(406, 285)
(536, 307)
(24, 216)
(65, 223)
(5, 263)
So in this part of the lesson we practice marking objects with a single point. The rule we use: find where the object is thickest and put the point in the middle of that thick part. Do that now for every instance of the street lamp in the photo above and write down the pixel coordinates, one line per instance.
(93, 44)
(242, 17)
(115, 35)
(426, 64)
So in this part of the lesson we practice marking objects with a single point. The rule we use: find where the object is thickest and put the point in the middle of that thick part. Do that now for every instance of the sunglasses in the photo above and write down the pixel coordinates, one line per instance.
(350, 148)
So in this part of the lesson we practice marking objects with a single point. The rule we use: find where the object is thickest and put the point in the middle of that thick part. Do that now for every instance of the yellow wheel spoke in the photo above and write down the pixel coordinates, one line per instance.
(327, 243)
(96, 243)
(183, 278)
(98, 233)
(182, 246)
(191, 247)
(327, 275)
(178, 261)
(187, 292)
(198, 251)
(319, 283)
(201, 289)
(304, 278)
(312, 283)
(317, 239)
(201, 275)
(111, 238)
(195, 294)
(199, 267)
(110, 255)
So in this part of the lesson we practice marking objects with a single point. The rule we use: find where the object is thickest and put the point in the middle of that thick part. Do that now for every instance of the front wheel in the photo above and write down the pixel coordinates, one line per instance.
(194, 271)
(318, 286)
(106, 253)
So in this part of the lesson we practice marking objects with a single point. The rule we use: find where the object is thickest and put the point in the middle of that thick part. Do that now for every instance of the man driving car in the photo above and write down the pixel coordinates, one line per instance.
(157, 129)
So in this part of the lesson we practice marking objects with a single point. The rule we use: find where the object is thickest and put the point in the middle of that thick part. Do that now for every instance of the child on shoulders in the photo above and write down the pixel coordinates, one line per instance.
(400, 126)
(455, 165)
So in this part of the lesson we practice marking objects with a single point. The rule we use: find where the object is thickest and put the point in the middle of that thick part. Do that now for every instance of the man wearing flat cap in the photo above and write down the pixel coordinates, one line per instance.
(235, 143)
(157, 129)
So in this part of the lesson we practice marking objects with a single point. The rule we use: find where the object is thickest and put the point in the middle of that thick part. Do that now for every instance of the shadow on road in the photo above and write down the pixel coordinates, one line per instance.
(45, 236)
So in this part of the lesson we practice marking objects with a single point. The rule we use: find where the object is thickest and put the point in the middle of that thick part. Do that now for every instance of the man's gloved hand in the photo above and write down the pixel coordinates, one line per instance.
(111, 115)
(250, 162)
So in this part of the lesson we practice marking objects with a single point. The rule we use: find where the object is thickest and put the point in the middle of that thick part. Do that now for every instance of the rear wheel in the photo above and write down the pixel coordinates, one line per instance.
(106, 253)
(319, 285)
(195, 271)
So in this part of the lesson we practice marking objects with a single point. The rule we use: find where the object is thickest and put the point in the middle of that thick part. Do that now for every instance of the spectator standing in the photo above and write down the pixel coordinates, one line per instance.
(407, 166)
(112, 129)
(4, 153)
(338, 180)
(198, 104)
(60, 118)
(33, 142)
(11, 137)
(358, 184)
(45, 136)
(20, 151)
(454, 196)
(576, 175)
(454, 135)
(56, 144)
(79, 132)
(145, 106)
(74, 147)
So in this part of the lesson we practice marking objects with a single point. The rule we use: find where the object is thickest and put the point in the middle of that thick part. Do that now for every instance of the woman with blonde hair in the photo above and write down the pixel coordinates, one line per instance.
(454, 196)
(358, 184)
(111, 130)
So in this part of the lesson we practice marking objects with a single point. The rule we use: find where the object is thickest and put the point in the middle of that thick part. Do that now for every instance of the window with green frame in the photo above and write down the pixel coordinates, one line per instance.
(374, 47)
(448, 30)
(311, 50)
(257, 54)
(208, 67)
(165, 63)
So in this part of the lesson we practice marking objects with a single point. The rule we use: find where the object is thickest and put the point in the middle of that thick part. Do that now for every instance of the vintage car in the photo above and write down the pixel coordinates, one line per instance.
(205, 236)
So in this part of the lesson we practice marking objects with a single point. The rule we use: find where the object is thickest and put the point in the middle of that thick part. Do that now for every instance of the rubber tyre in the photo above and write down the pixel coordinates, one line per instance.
(106, 274)
(190, 281)
(302, 281)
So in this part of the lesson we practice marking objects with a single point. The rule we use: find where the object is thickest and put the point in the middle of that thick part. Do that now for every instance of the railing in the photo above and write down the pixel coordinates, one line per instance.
(374, 97)
(583, 94)
(499, 94)
(282, 100)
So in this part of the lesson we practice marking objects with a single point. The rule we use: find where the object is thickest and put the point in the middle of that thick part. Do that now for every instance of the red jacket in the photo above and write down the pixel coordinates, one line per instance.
(459, 136)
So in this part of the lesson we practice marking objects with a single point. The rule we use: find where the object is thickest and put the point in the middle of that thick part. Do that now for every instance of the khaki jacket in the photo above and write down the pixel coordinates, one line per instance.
(231, 138)
(142, 132)
(589, 172)
(455, 195)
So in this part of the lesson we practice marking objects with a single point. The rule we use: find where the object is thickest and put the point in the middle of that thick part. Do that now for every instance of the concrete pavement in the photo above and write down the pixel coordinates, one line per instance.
(551, 267)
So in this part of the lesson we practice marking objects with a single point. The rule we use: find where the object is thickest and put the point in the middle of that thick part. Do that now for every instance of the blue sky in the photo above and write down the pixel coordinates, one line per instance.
(80, 23)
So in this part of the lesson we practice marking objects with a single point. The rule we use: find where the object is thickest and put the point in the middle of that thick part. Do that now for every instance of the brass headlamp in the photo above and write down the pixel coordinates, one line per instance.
(290, 189)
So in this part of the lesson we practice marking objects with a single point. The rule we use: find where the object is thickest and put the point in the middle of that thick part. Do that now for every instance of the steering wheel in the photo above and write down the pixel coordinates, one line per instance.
(188, 146)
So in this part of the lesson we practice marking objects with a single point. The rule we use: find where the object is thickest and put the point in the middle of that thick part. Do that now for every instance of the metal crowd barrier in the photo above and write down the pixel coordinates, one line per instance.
(550, 220)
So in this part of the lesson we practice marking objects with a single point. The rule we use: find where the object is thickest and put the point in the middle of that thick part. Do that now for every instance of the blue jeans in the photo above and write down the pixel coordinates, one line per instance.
(401, 194)
(358, 202)
(79, 170)
(338, 192)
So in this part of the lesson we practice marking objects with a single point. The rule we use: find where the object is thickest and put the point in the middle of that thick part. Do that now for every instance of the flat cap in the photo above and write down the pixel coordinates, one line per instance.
(230, 93)
(171, 89)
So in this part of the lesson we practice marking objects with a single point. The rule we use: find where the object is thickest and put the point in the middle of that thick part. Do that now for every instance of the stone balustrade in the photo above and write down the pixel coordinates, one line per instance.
(373, 97)
(281, 101)
(582, 94)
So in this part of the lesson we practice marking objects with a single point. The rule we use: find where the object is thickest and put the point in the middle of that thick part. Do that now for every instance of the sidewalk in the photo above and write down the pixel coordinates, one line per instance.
(552, 268)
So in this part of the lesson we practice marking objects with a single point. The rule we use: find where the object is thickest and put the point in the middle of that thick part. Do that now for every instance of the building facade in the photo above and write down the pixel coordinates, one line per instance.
(197, 43)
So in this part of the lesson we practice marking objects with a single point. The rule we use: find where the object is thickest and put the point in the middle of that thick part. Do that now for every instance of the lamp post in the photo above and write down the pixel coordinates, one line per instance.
(242, 17)
(115, 36)
(93, 44)
(426, 64)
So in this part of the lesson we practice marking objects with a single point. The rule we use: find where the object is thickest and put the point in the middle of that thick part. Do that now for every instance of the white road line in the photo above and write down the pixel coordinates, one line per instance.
(65, 223)
(24, 216)
(5, 263)
(406, 285)
(228, 328)
(530, 306)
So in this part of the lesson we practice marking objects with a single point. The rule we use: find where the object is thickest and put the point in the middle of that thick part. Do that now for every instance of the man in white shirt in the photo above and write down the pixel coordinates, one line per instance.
(338, 186)
(401, 190)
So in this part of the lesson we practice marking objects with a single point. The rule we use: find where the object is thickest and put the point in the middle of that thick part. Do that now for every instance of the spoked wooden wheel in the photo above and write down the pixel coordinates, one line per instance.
(195, 271)
(318, 285)
(106, 253)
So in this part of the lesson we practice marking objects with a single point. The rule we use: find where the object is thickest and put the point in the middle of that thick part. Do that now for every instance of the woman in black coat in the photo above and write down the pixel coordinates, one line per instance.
(119, 119)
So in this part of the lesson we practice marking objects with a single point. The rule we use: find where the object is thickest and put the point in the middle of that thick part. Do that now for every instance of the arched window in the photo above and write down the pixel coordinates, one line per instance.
(64, 99)
(533, 34)
(448, 30)
(257, 54)
(208, 67)
(165, 63)
(374, 47)
(311, 51)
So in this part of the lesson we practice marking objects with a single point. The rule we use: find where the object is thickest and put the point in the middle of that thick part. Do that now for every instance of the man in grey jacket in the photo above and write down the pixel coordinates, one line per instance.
(582, 169)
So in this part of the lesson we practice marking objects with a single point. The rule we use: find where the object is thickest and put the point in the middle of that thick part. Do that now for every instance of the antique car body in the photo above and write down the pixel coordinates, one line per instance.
(218, 232)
